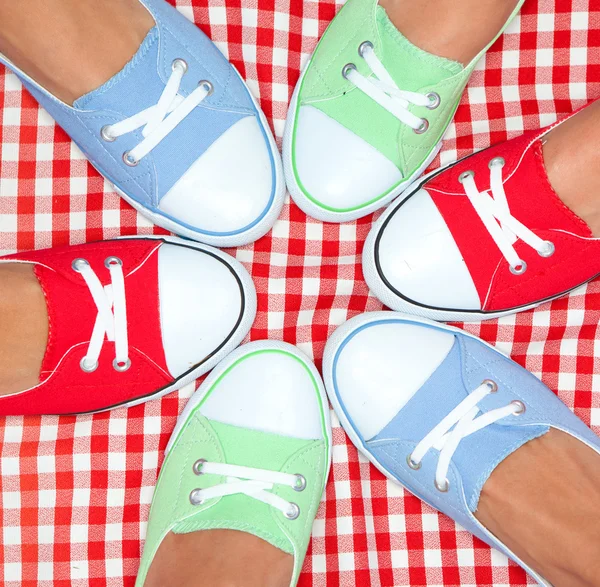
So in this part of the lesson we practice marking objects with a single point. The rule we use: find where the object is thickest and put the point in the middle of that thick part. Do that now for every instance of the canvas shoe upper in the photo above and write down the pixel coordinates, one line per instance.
(132, 319)
(251, 452)
(368, 114)
(179, 135)
(437, 410)
(482, 238)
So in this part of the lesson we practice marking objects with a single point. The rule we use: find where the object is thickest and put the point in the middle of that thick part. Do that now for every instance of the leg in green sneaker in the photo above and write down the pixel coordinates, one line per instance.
(24, 320)
(450, 29)
(243, 475)
(223, 558)
(72, 47)
(369, 112)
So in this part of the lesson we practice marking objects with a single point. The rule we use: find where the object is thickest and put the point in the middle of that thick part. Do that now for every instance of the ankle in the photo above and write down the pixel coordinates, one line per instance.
(570, 157)
(43, 38)
(457, 31)
(224, 558)
(24, 320)
(548, 519)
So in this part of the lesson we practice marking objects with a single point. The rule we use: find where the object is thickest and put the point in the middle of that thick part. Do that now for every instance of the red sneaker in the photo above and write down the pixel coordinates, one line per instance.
(131, 320)
(482, 238)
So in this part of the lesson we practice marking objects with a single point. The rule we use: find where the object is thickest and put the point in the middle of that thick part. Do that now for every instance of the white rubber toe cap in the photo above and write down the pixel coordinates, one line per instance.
(336, 167)
(201, 303)
(268, 388)
(229, 187)
(380, 368)
(420, 259)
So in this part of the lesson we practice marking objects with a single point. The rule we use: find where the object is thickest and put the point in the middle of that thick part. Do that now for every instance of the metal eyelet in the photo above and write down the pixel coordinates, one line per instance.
(422, 127)
(106, 135)
(443, 488)
(493, 386)
(207, 86)
(195, 498)
(293, 512)
(112, 262)
(197, 467)
(465, 175)
(548, 251)
(87, 368)
(300, 484)
(121, 367)
(347, 69)
(129, 160)
(414, 466)
(519, 268)
(179, 64)
(78, 264)
(519, 405)
(434, 100)
(364, 45)
(497, 161)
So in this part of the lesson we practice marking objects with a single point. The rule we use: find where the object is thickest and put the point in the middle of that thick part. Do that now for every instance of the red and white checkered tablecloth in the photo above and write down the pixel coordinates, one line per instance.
(75, 491)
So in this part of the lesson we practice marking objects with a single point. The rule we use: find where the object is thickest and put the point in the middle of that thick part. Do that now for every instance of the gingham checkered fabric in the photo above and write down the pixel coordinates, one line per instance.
(75, 491)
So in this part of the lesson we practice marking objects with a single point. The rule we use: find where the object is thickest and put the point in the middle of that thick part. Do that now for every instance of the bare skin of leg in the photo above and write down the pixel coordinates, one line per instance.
(447, 28)
(543, 502)
(24, 321)
(571, 159)
(224, 558)
(72, 47)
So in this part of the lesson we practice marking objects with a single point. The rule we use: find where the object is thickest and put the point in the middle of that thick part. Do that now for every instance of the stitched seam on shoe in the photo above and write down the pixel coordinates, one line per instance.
(51, 318)
(551, 269)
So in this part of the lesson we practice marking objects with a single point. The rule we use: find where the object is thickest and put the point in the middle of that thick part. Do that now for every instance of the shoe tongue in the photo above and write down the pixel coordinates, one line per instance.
(411, 67)
(477, 456)
(68, 324)
(138, 78)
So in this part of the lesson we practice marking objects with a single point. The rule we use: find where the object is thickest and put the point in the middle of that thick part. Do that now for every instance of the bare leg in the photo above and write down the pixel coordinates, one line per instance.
(219, 558)
(571, 159)
(543, 502)
(451, 29)
(24, 321)
(72, 47)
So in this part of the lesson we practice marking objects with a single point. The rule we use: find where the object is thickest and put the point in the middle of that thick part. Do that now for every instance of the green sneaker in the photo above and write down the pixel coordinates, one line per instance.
(367, 115)
(250, 452)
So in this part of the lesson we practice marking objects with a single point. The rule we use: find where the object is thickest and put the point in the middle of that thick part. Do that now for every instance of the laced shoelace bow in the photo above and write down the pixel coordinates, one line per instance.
(255, 483)
(384, 90)
(159, 120)
(461, 422)
(494, 212)
(111, 322)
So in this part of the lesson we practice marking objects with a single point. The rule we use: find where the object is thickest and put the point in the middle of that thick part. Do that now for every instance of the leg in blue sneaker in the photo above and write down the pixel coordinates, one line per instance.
(72, 47)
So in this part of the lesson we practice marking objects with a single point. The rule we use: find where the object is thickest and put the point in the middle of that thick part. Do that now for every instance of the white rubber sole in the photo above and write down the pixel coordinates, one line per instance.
(235, 240)
(235, 339)
(313, 209)
(252, 347)
(391, 299)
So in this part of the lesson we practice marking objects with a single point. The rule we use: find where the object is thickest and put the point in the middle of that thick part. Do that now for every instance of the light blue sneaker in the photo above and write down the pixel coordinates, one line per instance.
(437, 410)
(179, 135)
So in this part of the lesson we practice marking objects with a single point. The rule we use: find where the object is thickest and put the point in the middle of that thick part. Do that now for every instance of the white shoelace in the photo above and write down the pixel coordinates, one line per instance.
(495, 214)
(112, 314)
(463, 418)
(158, 121)
(255, 483)
(386, 92)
